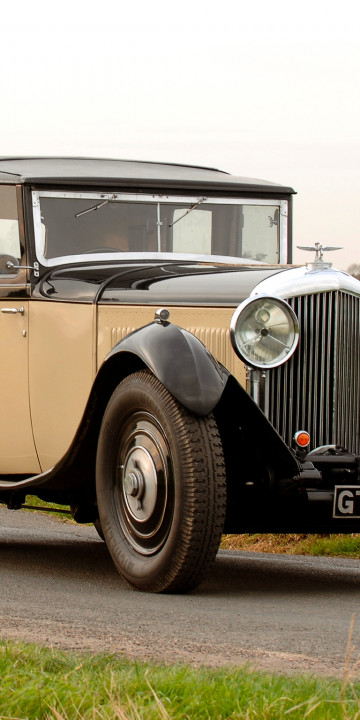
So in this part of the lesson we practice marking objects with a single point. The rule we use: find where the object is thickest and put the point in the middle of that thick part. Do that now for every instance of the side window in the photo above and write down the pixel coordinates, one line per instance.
(9, 225)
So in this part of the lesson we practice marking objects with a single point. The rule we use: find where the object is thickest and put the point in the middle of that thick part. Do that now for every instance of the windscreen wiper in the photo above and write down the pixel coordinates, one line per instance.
(201, 200)
(90, 209)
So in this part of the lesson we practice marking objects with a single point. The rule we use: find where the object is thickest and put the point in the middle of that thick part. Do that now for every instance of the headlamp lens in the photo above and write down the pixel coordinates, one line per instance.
(264, 331)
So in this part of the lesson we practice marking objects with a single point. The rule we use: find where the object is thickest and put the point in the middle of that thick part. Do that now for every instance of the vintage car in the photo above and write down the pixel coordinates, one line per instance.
(165, 372)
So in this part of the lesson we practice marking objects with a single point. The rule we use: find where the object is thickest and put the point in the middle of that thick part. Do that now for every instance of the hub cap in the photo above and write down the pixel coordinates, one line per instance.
(144, 489)
(140, 484)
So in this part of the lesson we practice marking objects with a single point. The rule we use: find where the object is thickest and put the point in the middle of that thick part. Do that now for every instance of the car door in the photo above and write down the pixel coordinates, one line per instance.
(17, 449)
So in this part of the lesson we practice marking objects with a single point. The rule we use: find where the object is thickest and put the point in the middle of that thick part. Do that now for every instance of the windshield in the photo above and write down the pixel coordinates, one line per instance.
(77, 224)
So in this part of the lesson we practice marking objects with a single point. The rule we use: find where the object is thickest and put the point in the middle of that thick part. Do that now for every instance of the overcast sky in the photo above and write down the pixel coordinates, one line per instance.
(266, 89)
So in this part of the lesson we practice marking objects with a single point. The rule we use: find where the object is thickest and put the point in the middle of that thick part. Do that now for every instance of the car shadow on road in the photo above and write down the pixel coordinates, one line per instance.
(86, 558)
(247, 572)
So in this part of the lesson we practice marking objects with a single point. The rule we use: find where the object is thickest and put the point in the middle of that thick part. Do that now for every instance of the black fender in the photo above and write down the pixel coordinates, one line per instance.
(247, 434)
(192, 375)
(180, 361)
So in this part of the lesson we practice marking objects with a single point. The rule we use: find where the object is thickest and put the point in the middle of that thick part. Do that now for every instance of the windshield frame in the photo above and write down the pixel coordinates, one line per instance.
(102, 198)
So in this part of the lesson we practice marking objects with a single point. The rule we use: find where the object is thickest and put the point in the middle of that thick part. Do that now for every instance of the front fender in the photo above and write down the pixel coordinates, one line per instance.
(180, 361)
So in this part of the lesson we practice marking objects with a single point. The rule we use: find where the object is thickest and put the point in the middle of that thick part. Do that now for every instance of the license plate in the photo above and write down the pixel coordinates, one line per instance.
(346, 501)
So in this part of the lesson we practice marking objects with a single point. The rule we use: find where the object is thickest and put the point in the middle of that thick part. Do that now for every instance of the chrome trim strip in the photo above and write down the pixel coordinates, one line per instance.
(284, 212)
(304, 281)
(143, 197)
(122, 257)
(12, 286)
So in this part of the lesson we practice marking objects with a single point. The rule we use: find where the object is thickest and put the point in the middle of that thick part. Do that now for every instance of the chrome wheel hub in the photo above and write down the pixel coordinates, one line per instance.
(144, 487)
(140, 484)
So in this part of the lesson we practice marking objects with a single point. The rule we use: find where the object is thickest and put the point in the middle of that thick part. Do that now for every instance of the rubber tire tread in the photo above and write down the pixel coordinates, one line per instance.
(199, 469)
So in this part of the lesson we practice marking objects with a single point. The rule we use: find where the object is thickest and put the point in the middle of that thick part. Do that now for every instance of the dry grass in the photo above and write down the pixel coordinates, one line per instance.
(330, 545)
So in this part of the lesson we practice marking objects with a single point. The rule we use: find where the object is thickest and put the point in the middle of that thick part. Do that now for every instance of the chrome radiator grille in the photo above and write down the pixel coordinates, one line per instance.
(318, 389)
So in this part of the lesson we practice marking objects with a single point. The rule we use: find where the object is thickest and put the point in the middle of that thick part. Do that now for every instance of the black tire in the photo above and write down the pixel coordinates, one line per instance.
(161, 487)
(98, 528)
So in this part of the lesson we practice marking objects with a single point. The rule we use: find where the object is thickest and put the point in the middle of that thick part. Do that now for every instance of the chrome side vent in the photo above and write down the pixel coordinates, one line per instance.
(319, 388)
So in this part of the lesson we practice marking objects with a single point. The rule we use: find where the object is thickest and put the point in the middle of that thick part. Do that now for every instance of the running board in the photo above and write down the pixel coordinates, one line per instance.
(33, 481)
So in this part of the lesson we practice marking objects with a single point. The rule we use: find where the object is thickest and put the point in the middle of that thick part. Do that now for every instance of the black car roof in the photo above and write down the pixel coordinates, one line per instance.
(126, 173)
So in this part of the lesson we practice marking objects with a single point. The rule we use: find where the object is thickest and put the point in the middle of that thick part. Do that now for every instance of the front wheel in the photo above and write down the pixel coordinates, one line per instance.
(161, 487)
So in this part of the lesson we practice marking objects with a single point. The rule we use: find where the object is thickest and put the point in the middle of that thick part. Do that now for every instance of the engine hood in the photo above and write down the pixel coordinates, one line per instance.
(170, 283)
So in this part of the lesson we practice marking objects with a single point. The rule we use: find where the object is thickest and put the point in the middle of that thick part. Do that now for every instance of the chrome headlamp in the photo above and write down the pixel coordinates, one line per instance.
(264, 331)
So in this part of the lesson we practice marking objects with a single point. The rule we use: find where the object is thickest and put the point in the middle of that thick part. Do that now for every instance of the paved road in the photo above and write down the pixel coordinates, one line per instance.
(58, 586)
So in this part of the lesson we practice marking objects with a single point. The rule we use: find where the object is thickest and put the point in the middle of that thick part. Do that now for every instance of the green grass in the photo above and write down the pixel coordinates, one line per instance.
(45, 684)
(40, 505)
(325, 545)
(341, 545)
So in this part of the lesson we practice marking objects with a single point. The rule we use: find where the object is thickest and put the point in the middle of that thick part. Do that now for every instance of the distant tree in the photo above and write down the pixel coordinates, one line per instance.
(354, 270)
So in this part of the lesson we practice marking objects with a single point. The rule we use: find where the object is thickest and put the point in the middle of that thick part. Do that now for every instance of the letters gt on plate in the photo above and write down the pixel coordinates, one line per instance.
(347, 501)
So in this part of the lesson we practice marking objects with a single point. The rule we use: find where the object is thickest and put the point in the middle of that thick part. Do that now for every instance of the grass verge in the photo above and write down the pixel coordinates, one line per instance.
(42, 684)
(330, 545)
(35, 505)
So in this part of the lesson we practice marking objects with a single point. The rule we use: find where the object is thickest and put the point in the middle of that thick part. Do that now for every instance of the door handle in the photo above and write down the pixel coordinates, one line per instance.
(13, 311)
